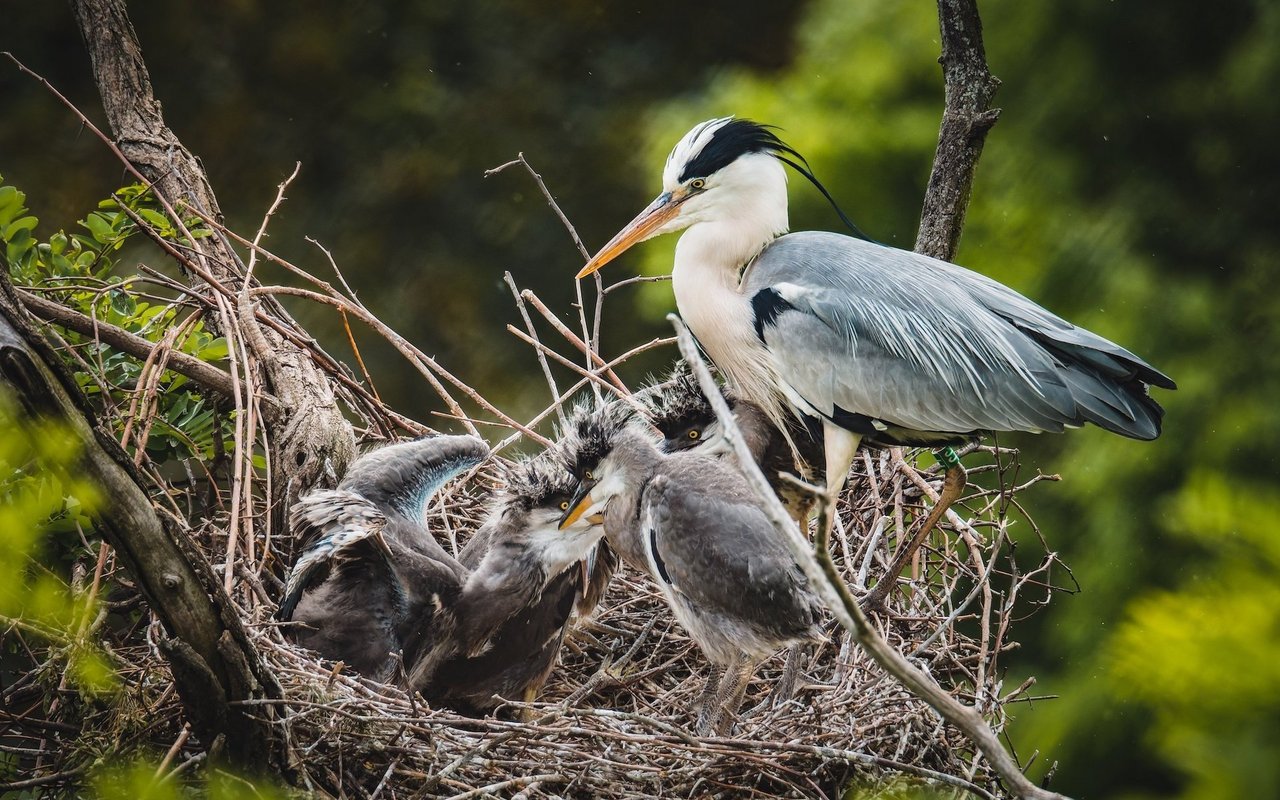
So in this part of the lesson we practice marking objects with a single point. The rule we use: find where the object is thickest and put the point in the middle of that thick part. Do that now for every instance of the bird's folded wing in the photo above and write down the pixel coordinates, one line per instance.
(864, 330)
(724, 556)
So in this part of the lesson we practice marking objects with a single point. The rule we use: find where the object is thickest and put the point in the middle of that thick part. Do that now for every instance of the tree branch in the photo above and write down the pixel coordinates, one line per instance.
(821, 572)
(219, 663)
(966, 119)
(202, 372)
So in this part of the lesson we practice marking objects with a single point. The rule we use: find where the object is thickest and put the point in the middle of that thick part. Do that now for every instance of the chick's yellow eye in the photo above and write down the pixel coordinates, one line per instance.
(694, 434)
(697, 183)
(564, 505)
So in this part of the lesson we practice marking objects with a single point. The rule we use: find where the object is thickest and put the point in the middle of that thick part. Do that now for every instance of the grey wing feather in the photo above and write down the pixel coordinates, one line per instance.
(720, 551)
(327, 523)
(925, 345)
(402, 477)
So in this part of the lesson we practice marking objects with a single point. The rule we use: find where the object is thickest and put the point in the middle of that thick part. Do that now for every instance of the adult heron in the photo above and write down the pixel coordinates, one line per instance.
(701, 535)
(881, 345)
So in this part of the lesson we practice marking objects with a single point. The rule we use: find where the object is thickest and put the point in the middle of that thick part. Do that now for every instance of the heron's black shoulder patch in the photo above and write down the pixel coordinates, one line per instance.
(767, 304)
(857, 423)
(734, 139)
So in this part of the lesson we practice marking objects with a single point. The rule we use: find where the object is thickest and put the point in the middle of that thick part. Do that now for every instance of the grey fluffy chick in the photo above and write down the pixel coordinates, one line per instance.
(373, 587)
(701, 535)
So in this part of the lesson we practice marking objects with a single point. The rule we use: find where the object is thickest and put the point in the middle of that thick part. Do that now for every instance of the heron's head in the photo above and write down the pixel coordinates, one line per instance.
(525, 520)
(599, 446)
(723, 169)
(680, 411)
(538, 493)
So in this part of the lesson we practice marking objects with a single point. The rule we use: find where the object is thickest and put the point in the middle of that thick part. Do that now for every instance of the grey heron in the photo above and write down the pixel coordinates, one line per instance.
(703, 538)
(881, 345)
(373, 586)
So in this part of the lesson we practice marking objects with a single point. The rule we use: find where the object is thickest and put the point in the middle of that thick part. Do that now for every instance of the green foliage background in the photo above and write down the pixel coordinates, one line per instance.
(1131, 185)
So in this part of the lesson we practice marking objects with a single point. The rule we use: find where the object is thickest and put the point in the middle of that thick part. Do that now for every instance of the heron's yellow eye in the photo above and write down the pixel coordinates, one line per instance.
(564, 505)
(694, 434)
(588, 476)
(697, 183)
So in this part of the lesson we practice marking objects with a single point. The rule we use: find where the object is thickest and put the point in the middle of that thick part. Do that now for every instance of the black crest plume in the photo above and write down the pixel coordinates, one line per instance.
(736, 138)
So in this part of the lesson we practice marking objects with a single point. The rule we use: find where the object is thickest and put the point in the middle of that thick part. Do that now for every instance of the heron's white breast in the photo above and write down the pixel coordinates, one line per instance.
(709, 297)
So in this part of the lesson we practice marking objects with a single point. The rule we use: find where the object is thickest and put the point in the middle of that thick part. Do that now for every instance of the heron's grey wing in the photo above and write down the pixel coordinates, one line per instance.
(719, 550)
(327, 523)
(881, 338)
(513, 656)
(402, 477)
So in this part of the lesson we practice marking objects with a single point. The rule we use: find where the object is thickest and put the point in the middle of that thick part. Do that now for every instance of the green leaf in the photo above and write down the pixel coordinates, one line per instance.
(11, 201)
(23, 223)
(100, 226)
(58, 243)
(121, 301)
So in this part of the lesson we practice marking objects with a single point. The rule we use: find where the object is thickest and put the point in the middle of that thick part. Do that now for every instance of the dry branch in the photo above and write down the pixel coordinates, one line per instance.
(966, 118)
(203, 373)
(315, 438)
(212, 660)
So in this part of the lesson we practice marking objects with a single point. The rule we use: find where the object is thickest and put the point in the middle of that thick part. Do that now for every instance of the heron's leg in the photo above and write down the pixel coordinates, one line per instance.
(785, 688)
(732, 687)
(953, 483)
(708, 705)
(841, 445)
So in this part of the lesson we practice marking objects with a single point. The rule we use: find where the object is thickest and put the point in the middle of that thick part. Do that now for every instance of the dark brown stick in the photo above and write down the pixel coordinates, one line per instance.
(966, 119)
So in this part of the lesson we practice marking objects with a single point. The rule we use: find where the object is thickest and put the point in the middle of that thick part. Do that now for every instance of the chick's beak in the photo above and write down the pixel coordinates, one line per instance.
(579, 504)
(647, 224)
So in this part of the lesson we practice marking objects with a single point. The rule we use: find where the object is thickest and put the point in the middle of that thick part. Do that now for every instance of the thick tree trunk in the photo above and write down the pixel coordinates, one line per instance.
(309, 437)
(212, 660)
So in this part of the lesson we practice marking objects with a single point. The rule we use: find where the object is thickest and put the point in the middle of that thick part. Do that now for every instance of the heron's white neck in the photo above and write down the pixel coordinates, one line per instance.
(744, 212)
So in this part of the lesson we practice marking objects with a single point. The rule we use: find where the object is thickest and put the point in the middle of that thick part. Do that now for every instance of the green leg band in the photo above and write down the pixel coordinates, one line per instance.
(947, 457)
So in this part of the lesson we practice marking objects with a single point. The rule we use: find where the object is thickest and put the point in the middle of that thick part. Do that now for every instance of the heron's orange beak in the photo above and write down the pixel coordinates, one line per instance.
(646, 224)
(581, 502)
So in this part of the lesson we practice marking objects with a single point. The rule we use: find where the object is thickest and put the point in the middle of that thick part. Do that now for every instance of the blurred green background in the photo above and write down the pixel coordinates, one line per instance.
(1132, 185)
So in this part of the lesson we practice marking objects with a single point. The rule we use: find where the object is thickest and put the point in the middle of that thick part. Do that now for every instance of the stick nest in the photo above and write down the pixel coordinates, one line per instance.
(616, 718)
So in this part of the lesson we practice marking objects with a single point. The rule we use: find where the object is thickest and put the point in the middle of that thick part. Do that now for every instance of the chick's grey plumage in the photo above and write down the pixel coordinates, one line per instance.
(693, 525)
(682, 414)
(524, 584)
(372, 582)
(370, 579)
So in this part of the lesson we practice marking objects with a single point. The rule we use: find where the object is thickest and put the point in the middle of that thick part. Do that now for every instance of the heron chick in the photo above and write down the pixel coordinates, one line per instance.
(374, 589)
(682, 414)
(370, 578)
(700, 533)
(526, 581)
